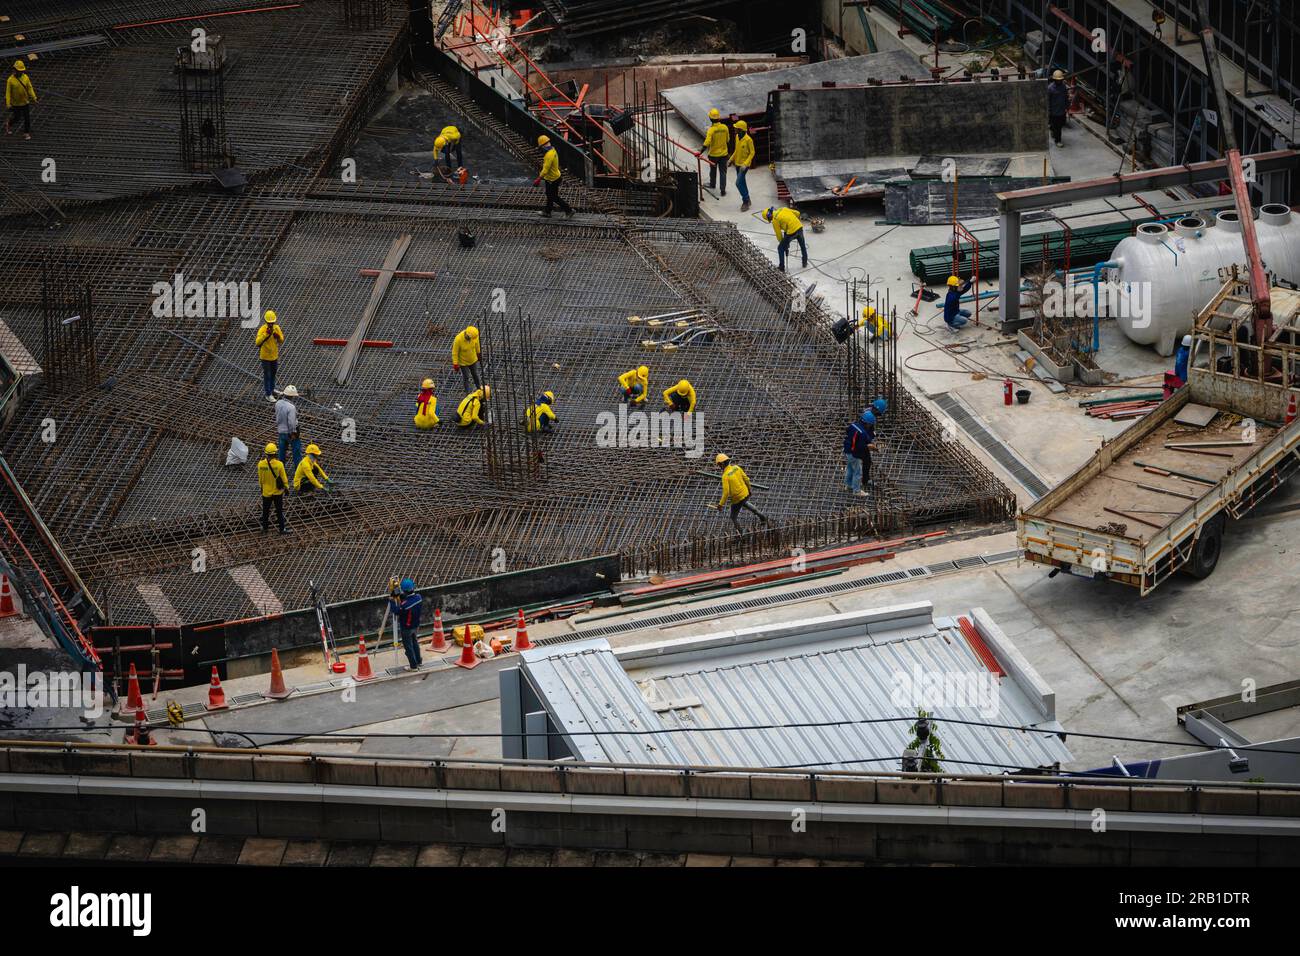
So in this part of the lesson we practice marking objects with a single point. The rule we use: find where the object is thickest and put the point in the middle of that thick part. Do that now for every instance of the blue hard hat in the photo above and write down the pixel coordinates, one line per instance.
(880, 405)
(636, 389)
(868, 418)
(407, 585)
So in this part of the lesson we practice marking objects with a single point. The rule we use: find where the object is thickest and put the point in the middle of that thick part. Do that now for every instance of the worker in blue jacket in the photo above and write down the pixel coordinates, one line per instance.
(406, 605)
(859, 440)
(953, 314)
(1182, 357)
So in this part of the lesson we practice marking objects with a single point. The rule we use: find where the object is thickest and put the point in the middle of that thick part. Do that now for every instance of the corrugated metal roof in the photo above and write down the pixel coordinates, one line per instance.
(830, 682)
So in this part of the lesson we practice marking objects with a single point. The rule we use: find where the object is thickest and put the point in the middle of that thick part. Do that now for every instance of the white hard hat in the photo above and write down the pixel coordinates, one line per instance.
(1187, 340)
(290, 391)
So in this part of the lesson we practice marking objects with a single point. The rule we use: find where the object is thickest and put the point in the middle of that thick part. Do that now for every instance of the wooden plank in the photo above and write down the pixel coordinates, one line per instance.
(348, 360)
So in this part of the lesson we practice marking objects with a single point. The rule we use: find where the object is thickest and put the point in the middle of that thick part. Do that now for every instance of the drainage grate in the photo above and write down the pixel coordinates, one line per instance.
(159, 715)
(245, 699)
(998, 450)
(735, 607)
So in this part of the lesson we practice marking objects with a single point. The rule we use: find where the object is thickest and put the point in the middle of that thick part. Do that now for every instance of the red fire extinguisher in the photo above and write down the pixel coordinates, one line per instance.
(1007, 388)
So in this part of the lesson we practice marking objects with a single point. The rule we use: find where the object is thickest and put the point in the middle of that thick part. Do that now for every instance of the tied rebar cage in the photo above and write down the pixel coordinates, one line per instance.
(362, 15)
(870, 359)
(69, 322)
(201, 80)
(512, 453)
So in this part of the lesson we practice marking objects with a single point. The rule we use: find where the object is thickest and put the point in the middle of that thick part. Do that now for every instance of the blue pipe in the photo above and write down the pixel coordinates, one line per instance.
(1096, 302)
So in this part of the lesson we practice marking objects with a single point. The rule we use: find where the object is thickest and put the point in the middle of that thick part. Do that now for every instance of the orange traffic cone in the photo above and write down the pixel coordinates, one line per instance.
(522, 643)
(216, 696)
(439, 643)
(278, 691)
(363, 664)
(467, 656)
(133, 701)
(140, 735)
(7, 608)
(1290, 417)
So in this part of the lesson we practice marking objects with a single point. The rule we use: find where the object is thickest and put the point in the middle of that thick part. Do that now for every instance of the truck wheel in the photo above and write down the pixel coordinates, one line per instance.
(1205, 553)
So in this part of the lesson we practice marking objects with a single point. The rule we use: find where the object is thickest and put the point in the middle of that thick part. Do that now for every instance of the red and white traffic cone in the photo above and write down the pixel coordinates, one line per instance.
(7, 608)
(278, 691)
(133, 701)
(522, 643)
(140, 735)
(363, 664)
(468, 658)
(216, 696)
(439, 643)
(1290, 417)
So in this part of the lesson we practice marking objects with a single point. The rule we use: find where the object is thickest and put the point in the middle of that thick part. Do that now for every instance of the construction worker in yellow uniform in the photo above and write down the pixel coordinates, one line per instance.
(426, 406)
(20, 96)
(550, 174)
(268, 339)
(878, 326)
(448, 140)
(634, 385)
(717, 144)
(788, 228)
(742, 157)
(309, 476)
(540, 416)
(735, 490)
(273, 480)
(470, 410)
(465, 352)
(681, 397)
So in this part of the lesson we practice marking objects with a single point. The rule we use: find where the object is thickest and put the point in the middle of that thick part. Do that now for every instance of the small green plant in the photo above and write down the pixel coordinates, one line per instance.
(925, 741)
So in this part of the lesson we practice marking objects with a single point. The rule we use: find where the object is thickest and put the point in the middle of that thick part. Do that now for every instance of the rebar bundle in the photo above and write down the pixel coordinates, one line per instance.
(67, 307)
(512, 456)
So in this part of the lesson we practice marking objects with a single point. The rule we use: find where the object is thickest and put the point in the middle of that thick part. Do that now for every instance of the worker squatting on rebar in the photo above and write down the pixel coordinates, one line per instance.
(634, 385)
(406, 604)
(426, 406)
(681, 397)
(788, 228)
(551, 175)
(273, 480)
(270, 336)
(471, 411)
(309, 477)
(20, 97)
(735, 490)
(540, 416)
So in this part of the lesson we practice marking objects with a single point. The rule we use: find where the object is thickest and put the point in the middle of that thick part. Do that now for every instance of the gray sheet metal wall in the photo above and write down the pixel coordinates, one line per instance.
(909, 120)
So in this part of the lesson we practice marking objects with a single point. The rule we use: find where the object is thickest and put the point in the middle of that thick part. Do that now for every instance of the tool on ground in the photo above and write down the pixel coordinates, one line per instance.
(645, 319)
(330, 649)
(841, 190)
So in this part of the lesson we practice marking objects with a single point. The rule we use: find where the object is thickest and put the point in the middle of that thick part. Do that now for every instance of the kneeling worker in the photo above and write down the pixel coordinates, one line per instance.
(735, 490)
(634, 384)
(310, 477)
(426, 406)
(470, 410)
(273, 480)
(681, 397)
(540, 416)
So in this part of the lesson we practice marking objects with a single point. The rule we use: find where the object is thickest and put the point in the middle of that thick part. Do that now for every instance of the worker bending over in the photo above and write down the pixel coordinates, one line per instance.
(20, 96)
(470, 410)
(448, 140)
(551, 175)
(735, 490)
(269, 336)
(953, 314)
(634, 384)
(407, 604)
(681, 397)
(540, 416)
(273, 480)
(742, 157)
(717, 144)
(466, 351)
(426, 406)
(309, 477)
(859, 442)
(788, 228)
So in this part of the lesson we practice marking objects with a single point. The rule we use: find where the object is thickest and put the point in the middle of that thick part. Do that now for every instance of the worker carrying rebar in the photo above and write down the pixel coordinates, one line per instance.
(406, 605)
(742, 157)
(551, 175)
(274, 481)
(717, 145)
(20, 97)
(270, 335)
(788, 228)
(1058, 105)
(953, 314)
(859, 442)
(470, 411)
(286, 428)
(634, 384)
(448, 140)
(309, 477)
(735, 490)
(466, 350)
(681, 397)
(426, 406)
(540, 416)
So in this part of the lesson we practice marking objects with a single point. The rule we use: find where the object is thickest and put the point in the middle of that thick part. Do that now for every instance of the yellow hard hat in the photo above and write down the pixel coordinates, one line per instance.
(550, 396)
(427, 383)
(721, 459)
(270, 317)
(440, 143)
(953, 280)
(643, 371)
(714, 114)
(313, 449)
(1058, 75)
(471, 332)
(487, 391)
(683, 385)
(271, 448)
(742, 125)
(767, 214)
(543, 140)
(20, 66)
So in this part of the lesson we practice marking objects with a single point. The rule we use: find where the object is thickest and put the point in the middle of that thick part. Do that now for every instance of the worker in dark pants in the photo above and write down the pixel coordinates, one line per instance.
(954, 316)
(717, 146)
(274, 481)
(551, 175)
(406, 605)
(20, 95)
(1058, 104)
(736, 490)
(859, 442)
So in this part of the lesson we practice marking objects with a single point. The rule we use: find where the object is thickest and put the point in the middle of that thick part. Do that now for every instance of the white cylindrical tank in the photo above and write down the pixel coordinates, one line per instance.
(1164, 275)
